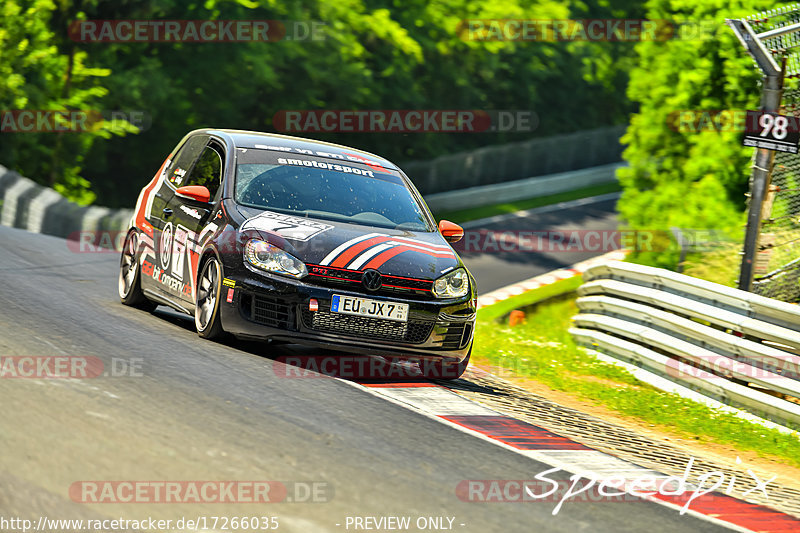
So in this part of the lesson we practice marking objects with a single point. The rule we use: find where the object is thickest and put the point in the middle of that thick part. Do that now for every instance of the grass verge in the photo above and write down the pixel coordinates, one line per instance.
(528, 298)
(719, 266)
(543, 351)
(465, 215)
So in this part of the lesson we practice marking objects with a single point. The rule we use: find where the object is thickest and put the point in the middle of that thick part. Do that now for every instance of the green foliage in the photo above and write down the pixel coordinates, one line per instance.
(688, 179)
(377, 54)
(36, 74)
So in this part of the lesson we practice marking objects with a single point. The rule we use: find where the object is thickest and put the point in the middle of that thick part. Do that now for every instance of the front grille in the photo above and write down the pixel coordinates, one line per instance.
(411, 332)
(269, 311)
(351, 280)
(456, 335)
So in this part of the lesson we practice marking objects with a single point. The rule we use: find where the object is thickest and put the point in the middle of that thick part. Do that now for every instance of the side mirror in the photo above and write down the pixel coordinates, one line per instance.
(195, 192)
(451, 231)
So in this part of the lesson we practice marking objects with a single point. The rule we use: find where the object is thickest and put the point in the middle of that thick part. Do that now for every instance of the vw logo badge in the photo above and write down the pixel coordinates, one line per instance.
(371, 279)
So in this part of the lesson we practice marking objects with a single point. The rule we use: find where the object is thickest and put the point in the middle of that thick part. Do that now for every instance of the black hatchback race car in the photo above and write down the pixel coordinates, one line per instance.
(274, 237)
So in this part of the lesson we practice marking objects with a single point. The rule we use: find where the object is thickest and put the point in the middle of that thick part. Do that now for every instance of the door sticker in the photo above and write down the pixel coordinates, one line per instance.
(179, 251)
(165, 245)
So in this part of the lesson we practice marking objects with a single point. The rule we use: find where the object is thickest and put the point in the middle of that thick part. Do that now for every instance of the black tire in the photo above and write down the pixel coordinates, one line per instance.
(206, 310)
(444, 371)
(129, 284)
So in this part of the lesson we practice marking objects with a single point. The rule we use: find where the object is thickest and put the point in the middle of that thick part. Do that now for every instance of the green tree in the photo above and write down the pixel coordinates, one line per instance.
(378, 54)
(35, 74)
(679, 176)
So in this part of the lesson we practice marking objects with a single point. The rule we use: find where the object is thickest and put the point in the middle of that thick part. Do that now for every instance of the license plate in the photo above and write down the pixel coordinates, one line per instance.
(350, 305)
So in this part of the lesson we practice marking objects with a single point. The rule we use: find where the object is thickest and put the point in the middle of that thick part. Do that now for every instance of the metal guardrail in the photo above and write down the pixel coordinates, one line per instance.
(734, 346)
(540, 156)
(511, 191)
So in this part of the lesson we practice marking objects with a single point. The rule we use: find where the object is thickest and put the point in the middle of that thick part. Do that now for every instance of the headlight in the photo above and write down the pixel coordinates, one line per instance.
(452, 284)
(267, 257)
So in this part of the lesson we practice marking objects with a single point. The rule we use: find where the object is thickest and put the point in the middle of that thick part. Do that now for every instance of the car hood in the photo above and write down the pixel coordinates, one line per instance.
(344, 245)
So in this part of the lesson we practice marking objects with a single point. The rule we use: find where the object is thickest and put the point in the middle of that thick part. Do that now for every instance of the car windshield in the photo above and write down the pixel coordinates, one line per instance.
(325, 188)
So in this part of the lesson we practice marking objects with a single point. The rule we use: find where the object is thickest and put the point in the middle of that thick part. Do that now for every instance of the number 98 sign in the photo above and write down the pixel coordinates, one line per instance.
(772, 131)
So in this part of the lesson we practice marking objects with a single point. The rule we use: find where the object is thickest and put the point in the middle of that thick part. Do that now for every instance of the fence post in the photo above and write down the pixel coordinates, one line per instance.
(759, 184)
(770, 102)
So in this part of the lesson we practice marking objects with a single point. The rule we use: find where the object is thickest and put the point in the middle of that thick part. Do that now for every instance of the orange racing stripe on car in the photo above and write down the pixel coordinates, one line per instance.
(350, 253)
(382, 257)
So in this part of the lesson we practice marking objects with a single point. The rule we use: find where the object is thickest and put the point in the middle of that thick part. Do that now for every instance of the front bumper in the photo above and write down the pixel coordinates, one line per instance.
(274, 307)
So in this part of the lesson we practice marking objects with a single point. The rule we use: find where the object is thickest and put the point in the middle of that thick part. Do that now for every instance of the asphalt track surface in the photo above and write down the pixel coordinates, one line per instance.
(494, 268)
(201, 410)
